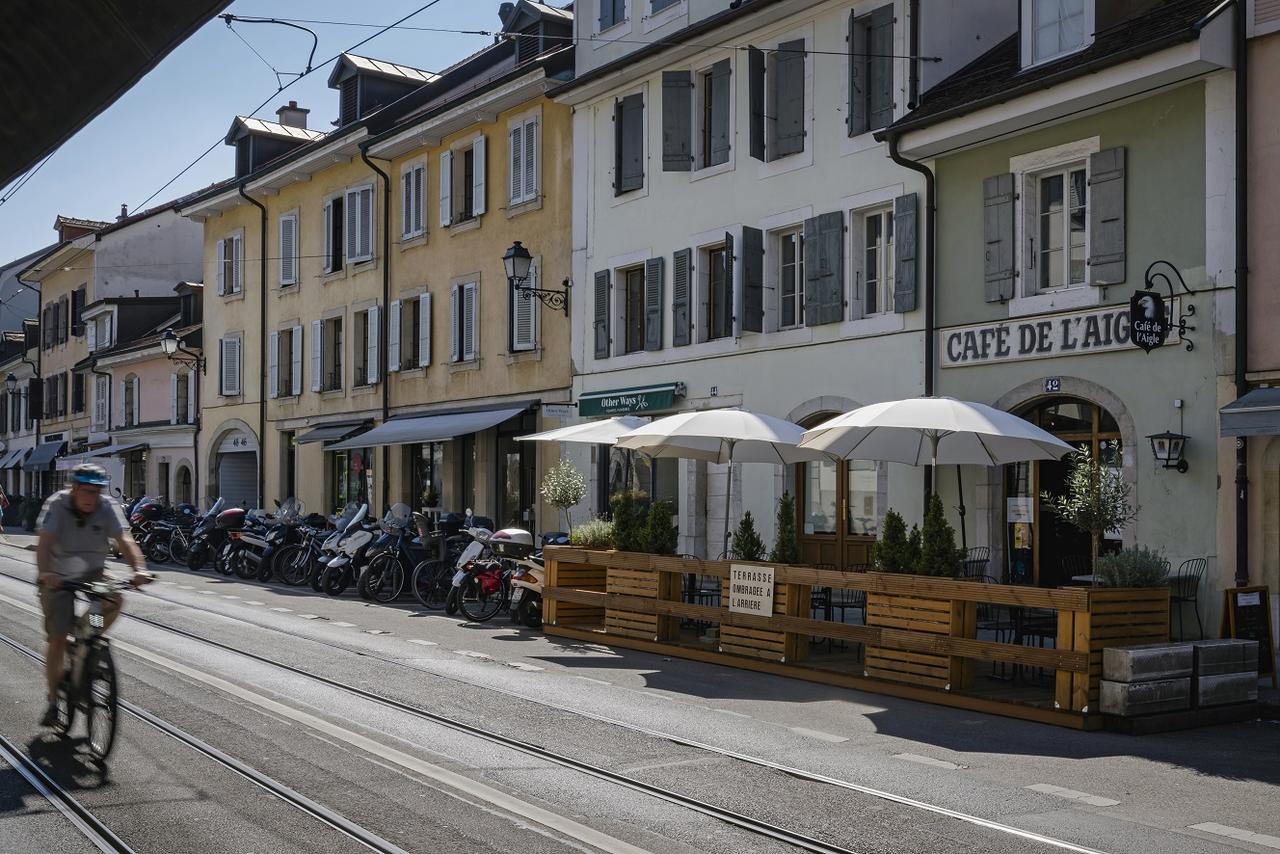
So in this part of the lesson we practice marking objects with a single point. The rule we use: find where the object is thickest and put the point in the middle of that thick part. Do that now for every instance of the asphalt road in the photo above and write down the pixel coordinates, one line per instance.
(904, 777)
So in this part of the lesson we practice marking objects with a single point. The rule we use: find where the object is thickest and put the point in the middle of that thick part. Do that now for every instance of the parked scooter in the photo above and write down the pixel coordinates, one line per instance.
(390, 558)
(516, 546)
(339, 571)
(205, 537)
(476, 558)
(329, 548)
(261, 543)
(230, 523)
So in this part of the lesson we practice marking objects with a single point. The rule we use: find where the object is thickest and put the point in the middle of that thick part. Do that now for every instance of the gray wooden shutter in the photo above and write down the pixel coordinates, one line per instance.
(755, 91)
(788, 120)
(997, 228)
(608, 14)
(727, 305)
(752, 279)
(681, 270)
(1106, 217)
(653, 271)
(721, 93)
(880, 68)
(602, 314)
(677, 121)
(905, 253)
(858, 68)
(629, 135)
(824, 269)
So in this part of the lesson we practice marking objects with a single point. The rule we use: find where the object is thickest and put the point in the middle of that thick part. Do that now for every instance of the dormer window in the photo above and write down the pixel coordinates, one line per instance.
(1054, 28)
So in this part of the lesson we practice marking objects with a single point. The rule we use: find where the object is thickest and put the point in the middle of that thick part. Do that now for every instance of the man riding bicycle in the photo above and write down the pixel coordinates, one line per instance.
(76, 526)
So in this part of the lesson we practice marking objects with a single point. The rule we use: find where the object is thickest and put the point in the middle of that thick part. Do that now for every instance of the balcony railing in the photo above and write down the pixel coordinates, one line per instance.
(332, 381)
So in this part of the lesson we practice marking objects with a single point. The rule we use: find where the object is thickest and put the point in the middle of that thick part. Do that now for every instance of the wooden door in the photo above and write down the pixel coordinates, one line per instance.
(837, 508)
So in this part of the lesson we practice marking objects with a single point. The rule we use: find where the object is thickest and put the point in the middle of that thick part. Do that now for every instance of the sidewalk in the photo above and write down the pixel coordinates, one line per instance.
(19, 537)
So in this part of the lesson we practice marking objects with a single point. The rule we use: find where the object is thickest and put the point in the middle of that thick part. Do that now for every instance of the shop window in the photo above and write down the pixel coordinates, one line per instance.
(350, 476)
(426, 474)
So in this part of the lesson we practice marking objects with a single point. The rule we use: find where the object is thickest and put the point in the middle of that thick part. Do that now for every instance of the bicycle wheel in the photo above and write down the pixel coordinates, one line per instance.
(65, 699)
(476, 604)
(178, 548)
(431, 583)
(101, 700)
(389, 576)
(293, 564)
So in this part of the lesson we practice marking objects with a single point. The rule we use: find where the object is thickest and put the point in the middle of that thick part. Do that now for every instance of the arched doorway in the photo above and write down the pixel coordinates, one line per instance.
(838, 508)
(1043, 549)
(183, 485)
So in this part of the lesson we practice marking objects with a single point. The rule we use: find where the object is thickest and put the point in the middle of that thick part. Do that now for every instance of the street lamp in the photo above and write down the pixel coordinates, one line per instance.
(171, 346)
(518, 263)
(1168, 449)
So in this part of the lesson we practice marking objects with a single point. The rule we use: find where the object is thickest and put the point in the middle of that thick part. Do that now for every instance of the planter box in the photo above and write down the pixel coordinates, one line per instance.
(912, 614)
(1116, 617)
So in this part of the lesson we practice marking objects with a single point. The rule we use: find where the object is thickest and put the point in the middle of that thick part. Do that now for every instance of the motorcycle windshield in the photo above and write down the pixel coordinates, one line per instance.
(398, 516)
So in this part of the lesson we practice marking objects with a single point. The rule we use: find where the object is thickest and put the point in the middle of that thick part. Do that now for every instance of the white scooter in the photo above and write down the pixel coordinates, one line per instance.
(477, 549)
(346, 526)
(516, 546)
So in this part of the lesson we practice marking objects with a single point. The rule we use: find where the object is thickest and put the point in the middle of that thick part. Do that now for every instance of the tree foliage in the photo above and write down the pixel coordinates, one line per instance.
(786, 548)
(564, 487)
(660, 535)
(747, 544)
(938, 552)
(1096, 499)
(630, 518)
(894, 552)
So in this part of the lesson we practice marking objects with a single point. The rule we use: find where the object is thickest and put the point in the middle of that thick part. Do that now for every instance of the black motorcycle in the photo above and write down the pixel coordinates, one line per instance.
(205, 537)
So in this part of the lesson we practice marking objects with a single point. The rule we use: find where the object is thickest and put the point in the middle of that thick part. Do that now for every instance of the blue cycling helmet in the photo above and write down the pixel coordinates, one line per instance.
(89, 475)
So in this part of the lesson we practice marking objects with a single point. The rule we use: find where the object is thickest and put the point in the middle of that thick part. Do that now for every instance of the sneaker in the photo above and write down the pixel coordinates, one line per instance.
(50, 716)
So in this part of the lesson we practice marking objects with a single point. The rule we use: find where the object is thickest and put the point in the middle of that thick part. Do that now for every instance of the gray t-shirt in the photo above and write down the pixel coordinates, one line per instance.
(80, 543)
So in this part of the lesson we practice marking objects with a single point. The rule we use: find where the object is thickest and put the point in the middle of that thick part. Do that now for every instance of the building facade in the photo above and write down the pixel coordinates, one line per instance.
(18, 428)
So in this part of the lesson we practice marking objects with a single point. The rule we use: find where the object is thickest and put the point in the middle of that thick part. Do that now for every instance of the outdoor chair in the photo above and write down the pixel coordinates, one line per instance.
(997, 620)
(1185, 588)
(821, 603)
(975, 562)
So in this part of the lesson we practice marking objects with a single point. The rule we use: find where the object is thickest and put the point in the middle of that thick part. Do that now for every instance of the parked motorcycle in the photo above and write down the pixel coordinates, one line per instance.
(261, 543)
(383, 579)
(348, 551)
(230, 523)
(205, 537)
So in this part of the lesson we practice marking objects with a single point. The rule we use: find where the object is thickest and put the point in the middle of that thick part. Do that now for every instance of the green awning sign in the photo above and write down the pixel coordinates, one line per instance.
(629, 401)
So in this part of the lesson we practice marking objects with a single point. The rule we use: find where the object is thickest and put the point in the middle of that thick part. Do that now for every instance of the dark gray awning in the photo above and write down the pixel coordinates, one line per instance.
(330, 432)
(1257, 413)
(42, 456)
(429, 428)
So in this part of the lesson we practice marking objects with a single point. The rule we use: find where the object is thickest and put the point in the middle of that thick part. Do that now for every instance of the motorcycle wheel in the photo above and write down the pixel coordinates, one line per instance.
(222, 562)
(316, 578)
(293, 565)
(159, 553)
(334, 582)
(368, 579)
(266, 569)
(531, 608)
(431, 584)
(242, 566)
(476, 604)
(390, 576)
(451, 601)
(196, 559)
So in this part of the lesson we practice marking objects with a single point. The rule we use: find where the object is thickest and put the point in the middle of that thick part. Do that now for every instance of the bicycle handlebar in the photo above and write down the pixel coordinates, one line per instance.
(103, 587)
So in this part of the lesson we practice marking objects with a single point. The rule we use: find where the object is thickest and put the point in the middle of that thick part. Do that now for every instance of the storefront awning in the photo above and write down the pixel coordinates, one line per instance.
(428, 428)
(1257, 413)
(330, 432)
(629, 401)
(13, 458)
(42, 456)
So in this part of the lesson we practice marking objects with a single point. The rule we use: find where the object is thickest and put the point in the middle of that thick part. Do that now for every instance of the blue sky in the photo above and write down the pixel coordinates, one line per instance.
(188, 100)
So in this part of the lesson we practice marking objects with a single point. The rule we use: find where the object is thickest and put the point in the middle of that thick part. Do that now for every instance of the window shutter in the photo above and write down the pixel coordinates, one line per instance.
(721, 94)
(1106, 217)
(515, 163)
(237, 265)
(220, 265)
(859, 68)
(120, 414)
(824, 269)
(602, 314)
(366, 222)
(424, 330)
(531, 160)
(406, 203)
(905, 253)
(288, 250)
(752, 279)
(419, 188)
(629, 132)
(653, 302)
(755, 96)
(455, 334)
(137, 398)
(880, 69)
(351, 205)
(608, 17)
(523, 316)
(393, 337)
(295, 358)
(273, 365)
(478, 172)
(317, 355)
(470, 322)
(680, 272)
(788, 122)
(730, 305)
(677, 121)
(91, 335)
(373, 338)
(446, 186)
(997, 228)
(173, 398)
(326, 263)
(231, 361)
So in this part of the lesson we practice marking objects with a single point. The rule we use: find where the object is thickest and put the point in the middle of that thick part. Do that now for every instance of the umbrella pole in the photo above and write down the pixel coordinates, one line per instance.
(964, 537)
(728, 495)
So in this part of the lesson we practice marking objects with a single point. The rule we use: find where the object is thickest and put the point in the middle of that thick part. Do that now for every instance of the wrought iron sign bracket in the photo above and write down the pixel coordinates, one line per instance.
(1188, 310)
(549, 298)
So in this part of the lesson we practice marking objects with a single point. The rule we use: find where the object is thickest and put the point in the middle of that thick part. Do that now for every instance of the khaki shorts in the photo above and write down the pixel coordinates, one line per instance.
(59, 608)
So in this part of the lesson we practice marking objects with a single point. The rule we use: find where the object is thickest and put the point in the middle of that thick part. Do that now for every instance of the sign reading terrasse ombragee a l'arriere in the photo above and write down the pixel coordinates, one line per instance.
(751, 589)
(1074, 333)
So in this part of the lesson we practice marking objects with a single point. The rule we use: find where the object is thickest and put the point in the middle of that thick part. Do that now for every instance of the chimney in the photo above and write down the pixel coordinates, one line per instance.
(293, 115)
(124, 213)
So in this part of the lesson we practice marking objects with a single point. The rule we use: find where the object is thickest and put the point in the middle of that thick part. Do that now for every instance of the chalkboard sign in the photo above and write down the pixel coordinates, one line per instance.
(1248, 617)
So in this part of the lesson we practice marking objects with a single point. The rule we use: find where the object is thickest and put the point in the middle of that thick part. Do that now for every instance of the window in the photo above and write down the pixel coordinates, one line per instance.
(426, 474)
(777, 100)
(77, 393)
(1052, 28)
(628, 131)
(289, 449)
(875, 278)
(719, 293)
(870, 71)
(413, 182)
(77, 309)
(522, 166)
(359, 226)
(658, 5)
(229, 367)
(791, 279)
(230, 265)
(633, 308)
(288, 250)
(612, 13)
(101, 401)
(465, 322)
(1058, 244)
(184, 485)
(330, 339)
(129, 401)
(284, 362)
(365, 355)
(462, 183)
(64, 319)
(333, 240)
(713, 115)
(524, 315)
(62, 394)
(348, 477)
(409, 333)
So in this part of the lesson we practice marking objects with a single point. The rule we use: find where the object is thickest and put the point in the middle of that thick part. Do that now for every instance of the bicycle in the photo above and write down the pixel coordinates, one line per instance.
(89, 685)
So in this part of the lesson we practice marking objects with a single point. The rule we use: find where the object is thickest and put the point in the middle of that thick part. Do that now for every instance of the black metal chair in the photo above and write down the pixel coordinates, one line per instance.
(975, 563)
(821, 603)
(1186, 588)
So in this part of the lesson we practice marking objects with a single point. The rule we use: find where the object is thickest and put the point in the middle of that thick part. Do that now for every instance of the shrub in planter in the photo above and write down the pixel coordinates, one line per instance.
(938, 552)
(1133, 567)
(630, 518)
(786, 548)
(747, 544)
(660, 536)
(594, 534)
(563, 486)
(897, 551)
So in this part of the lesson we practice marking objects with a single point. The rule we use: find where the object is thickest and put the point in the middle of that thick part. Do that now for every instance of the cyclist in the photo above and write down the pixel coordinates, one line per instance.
(75, 528)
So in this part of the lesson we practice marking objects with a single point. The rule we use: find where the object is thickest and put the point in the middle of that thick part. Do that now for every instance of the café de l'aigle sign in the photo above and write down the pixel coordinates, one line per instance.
(1074, 333)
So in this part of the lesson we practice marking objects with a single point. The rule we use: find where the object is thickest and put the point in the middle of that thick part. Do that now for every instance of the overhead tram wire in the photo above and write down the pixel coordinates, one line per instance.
(25, 178)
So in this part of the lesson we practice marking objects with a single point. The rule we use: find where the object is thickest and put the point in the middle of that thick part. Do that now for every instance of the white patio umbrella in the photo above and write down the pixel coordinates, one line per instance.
(932, 431)
(722, 436)
(604, 432)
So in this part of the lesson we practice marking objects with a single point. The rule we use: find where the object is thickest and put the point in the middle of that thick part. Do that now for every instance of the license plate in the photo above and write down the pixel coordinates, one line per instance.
(516, 595)
(458, 576)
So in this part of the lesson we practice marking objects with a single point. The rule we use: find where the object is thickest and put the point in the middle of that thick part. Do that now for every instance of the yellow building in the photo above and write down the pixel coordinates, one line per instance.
(387, 358)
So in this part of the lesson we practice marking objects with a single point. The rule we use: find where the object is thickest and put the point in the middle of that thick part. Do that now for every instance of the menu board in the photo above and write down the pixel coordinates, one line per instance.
(1248, 617)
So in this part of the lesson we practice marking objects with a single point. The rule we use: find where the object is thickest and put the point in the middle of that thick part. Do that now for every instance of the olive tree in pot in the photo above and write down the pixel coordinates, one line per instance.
(563, 487)
(1096, 500)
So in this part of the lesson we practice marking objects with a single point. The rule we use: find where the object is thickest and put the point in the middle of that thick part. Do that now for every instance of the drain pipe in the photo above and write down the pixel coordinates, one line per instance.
(1242, 287)
(384, 318)
(262, 341)
(913, 73)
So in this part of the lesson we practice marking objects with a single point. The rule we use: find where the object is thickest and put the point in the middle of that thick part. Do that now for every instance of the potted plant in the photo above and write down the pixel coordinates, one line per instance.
(563, 487)
(1096, 500)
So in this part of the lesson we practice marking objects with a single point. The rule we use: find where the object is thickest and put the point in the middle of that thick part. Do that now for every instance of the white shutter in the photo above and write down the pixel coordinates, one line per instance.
(326, 263)
(515, 164)
(372, 338)
(220, 271)
(470, 322)
(273, 365)
(531, 160)
(137, 401)
(101, 388)
(288, 250)
(173, 398)
(351, 206)
(419, 187)
(478, 170)
(446, 187)
(91, 334)
(366, 223)
(231, 367)
(393, 337)
(296, 358)
(317, 355)
(424, 330)
(237, 259)
(119, 404)
(193, 387)
(406, 203)
(455, 352)
(523, 314)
